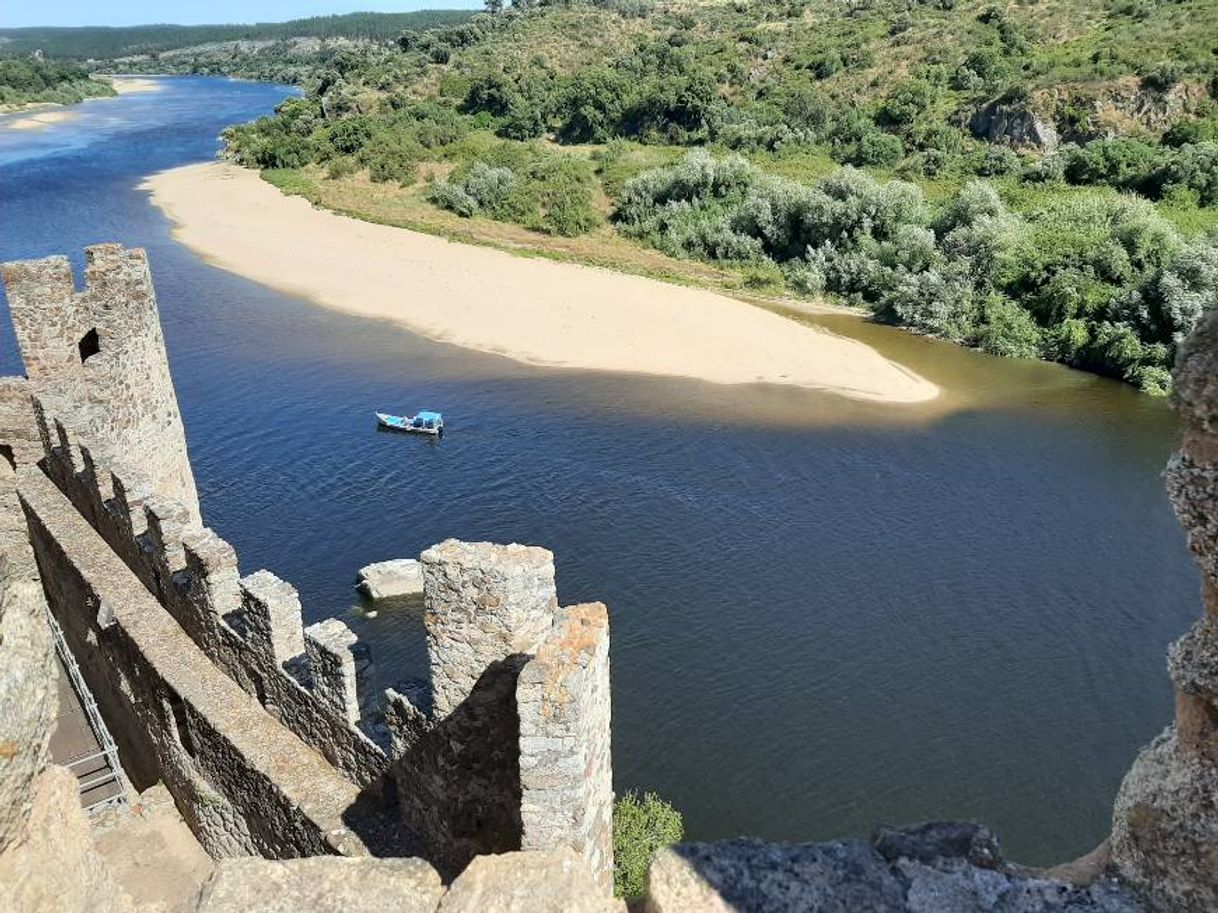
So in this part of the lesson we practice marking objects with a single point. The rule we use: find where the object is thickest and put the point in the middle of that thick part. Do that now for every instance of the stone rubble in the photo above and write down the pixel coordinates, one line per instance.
(387, 579)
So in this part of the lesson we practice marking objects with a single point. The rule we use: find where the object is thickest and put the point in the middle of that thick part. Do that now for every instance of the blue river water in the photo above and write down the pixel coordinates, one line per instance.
(826, 614)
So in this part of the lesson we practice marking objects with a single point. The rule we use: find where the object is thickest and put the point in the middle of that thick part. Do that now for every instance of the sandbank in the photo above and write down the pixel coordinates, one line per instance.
(39, 121)
(536, 311)
(128, 85)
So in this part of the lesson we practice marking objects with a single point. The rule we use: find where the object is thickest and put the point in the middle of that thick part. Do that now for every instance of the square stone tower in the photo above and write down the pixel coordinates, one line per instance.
(97, 356)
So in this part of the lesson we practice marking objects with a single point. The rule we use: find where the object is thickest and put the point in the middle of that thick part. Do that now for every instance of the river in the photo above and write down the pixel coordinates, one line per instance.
(826, 614)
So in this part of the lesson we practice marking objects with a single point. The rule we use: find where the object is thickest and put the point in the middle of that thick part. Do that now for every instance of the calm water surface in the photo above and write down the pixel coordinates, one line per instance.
(826, 614)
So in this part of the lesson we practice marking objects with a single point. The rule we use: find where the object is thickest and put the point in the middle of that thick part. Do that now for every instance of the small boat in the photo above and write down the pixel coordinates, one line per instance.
(422, 423)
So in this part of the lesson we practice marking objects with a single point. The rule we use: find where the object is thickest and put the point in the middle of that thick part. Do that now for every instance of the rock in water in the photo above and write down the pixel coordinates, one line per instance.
(401, 577)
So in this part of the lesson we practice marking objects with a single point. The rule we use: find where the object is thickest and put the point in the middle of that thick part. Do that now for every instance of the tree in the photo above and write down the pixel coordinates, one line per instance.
(494, 6)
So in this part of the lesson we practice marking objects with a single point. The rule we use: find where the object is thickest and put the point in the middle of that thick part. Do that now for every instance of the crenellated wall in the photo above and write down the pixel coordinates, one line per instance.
(98, 355)
(270, 735)
(507, 746)
(245, 626)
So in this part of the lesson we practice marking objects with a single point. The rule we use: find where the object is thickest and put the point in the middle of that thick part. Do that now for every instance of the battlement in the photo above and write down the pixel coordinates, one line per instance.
(504, 746)
(251, 627)
(97, 357)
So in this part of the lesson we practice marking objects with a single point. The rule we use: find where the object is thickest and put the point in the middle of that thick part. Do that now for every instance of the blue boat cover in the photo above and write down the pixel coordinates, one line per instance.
(430, 416)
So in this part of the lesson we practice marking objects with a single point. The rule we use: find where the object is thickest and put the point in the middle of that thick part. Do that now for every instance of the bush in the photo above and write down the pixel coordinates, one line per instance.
(392, 156)
(641, 826)
(543, 191)
(1008, 330)
(1162, 76)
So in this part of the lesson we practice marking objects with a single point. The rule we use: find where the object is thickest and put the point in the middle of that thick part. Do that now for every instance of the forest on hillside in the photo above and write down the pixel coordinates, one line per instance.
(1035, 179)
(99, 42)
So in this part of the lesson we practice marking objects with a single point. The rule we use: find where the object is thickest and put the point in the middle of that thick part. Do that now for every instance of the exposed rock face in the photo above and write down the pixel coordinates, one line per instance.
(27, 694)
(1015, 124)
(53, 866)
(1165, 825)
(386, 579)
(941, 867)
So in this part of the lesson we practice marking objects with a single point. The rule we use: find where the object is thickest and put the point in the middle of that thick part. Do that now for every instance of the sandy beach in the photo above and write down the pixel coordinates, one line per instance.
(129, 85)
(40, 120)
(536, 311)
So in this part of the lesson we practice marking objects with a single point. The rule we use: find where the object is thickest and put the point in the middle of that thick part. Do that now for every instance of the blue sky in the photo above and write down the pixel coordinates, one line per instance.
(15, 13)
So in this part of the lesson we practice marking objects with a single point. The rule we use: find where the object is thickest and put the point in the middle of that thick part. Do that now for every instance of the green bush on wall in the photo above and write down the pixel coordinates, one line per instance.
(641, 826)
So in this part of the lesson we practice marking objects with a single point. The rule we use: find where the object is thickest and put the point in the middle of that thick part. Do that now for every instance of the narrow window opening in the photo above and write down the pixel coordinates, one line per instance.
(181, 724)
(6, 454)
(89, 345)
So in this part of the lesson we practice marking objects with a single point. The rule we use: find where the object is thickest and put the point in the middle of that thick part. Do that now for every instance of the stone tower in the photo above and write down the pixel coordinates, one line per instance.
(97, 357)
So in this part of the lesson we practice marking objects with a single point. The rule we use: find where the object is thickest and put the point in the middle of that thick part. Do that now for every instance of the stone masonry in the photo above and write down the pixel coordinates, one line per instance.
(1165, 827)
(487, 786)
(98, 355)
(269, 735)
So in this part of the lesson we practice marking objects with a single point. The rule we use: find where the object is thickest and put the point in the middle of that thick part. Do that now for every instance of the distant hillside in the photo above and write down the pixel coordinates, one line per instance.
(92, 42)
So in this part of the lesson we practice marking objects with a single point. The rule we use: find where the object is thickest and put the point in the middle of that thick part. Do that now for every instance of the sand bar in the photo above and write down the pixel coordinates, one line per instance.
(39, 121)
(129, 85)
(536, 311)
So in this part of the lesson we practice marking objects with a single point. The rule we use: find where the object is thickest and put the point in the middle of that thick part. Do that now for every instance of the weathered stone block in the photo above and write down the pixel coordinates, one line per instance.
(386, 579)
(749, 876)
(527, 882)
(324, 884)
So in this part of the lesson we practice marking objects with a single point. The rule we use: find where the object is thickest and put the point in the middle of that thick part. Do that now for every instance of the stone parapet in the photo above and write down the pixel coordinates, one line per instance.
(98, 355)
(243, 781)
(245, 625)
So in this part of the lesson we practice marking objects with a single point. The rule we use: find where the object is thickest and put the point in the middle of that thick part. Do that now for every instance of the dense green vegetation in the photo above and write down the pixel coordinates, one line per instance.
(1036, 180)
(640, 827)
(108, 42)
(27, 81)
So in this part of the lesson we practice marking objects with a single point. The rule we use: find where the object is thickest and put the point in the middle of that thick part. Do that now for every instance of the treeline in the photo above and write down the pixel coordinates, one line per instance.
(1095, 281)
(525, 184)
(97, 42)
(25, 80)
(838, 153)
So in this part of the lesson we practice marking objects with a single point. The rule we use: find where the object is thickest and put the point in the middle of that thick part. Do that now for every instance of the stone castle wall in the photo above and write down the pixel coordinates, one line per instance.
(269, 734)
(99, 355)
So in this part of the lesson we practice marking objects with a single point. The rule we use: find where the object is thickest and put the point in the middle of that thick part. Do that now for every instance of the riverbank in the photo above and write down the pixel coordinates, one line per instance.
(42, 114)
(535, 311)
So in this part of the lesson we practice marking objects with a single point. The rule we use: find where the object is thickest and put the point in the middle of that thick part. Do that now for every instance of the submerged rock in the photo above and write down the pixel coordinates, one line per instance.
(385, 579)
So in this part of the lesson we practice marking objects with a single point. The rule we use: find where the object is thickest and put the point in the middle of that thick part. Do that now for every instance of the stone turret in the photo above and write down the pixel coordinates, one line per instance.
(97, 357)
(1165, 827)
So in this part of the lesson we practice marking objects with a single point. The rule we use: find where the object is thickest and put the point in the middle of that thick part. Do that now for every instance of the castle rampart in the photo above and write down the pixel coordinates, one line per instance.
(99, 356)
(271, 735)
(495, 769)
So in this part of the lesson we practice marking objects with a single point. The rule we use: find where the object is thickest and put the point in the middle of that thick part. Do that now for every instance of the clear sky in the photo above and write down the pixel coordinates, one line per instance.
(15, 13)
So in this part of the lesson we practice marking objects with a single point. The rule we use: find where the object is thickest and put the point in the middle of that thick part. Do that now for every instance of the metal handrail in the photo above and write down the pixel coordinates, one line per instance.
(96, 723)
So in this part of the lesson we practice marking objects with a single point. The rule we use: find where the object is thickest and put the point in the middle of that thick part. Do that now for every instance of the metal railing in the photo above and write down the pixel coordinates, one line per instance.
(109, 751)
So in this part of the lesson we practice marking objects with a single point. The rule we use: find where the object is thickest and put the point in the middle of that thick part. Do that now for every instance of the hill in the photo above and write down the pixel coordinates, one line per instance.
(1036, 179)
(98, 42)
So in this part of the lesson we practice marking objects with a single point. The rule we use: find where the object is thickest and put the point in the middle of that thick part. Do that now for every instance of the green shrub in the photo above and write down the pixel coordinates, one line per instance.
(641, 826)
(544, 191)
